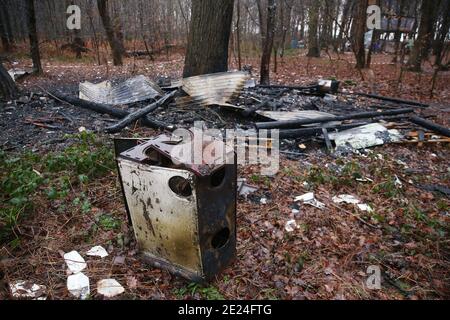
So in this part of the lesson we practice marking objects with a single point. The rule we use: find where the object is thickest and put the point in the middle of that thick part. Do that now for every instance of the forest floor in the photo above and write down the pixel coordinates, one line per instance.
(65, 188)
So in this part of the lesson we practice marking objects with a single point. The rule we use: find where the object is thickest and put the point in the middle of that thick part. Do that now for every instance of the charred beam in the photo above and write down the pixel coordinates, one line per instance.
(296, 124)
(109, 110)
(395, 100)
(141, 113)
(431, 126)
(310, 132)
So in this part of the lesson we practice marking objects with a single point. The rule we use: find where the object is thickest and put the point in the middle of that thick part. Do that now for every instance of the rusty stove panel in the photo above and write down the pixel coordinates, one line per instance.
(166, 225)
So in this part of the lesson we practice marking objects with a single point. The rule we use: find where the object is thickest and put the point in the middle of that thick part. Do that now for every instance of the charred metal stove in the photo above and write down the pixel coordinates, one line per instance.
(183, 215)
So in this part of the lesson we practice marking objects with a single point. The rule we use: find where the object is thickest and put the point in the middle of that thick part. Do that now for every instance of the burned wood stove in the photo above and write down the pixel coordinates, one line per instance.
(183, 214)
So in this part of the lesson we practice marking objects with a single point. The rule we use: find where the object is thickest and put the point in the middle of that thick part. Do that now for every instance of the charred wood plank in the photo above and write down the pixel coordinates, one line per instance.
(106, 109)
(299, 88)
(141, 113)
(395, 100)
(99, 108)
(431, 126)
(310, 132)
(296, 124)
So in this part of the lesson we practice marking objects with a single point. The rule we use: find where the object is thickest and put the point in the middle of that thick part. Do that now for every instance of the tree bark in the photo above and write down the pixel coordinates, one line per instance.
(8, 88)
(238, 33)
(422, 45)
(209, 36)
(359, 30)
(110, 33)
(268, 43)
(398, 34)
(33, 36)
(6, 43)
(313, 41)
(443, 32)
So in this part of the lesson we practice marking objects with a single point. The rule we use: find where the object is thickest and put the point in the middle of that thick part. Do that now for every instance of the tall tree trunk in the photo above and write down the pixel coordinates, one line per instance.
(110, 33)
(34, 40)
(443, 32)
(398, 34)
(8, 25)
(359, 30)
(5, 37)
(313, 41)
(8, 88)
(422, 45)
(375, 38)
(209, 36)
(268, 43)
(342, 38)
(238, 33)
(262, 14)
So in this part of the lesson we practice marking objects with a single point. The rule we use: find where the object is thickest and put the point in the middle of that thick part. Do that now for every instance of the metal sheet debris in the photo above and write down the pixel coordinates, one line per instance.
(109, 288)
(28, 290)
(311, 200)
(75, 262)
(251, 83)
(349, 199)
(97, 251)
(16, 74)
(365, 137)
(365, 208)
(346, 198)
(133, 90)
(297, 115)
(78, 285)
(245, 189)
(214, 89)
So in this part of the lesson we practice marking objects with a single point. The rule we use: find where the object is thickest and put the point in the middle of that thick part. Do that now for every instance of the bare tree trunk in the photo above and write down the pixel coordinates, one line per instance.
(5, 37)
(34, 41)
(359, 30)
(209, 36)
(398, 34)
(443, 32)
(238, 34)
(110, 34)
(8, 88)
(313, 41)
(268, 43)
(422, 45)
(342, 38)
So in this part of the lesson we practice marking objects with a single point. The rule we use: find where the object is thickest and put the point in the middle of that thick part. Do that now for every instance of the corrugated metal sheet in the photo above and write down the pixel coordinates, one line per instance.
(296, 115)
(213, 89)
(133, 90)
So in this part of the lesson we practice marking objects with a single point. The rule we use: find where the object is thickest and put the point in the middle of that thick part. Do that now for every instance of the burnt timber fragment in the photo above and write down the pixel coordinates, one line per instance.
(141, 113)
(431, 126)
(109, 110)
(296, 124)
(395, 100)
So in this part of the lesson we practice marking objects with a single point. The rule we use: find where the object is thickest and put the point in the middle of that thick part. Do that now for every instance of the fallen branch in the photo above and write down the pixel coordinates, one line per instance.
(140, 113)
(42, 125)
(297, 124)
